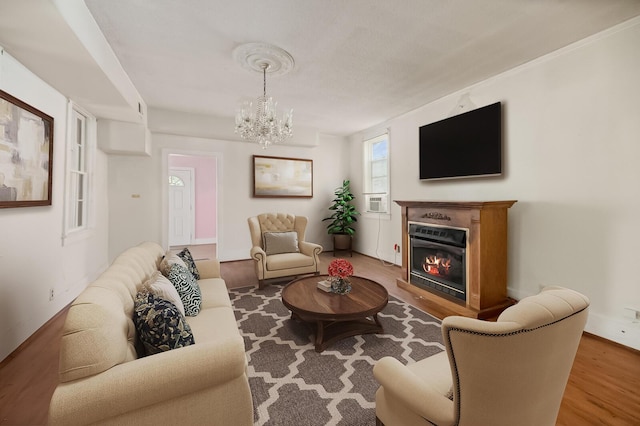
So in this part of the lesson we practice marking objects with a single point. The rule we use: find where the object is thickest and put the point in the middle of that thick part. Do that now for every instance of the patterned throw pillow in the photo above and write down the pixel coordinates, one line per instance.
(186, 256)
(161, 326)
(187, 287)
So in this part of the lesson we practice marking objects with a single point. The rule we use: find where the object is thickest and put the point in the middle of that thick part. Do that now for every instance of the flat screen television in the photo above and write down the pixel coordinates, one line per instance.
(465, 145)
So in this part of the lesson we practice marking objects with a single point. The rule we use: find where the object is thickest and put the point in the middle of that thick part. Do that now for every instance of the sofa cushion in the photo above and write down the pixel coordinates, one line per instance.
(214, 325)
(280, 242)
(187, 287)
(160, 285)
(214, 293)
(187, 258)
(161, 326)
(279, 262)
(435, 371)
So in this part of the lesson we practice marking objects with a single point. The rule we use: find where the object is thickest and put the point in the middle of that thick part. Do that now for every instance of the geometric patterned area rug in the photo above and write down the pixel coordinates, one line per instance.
(292, 384)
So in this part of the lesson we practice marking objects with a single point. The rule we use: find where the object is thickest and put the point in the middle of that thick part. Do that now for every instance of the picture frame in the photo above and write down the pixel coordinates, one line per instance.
(26, 154)
(281, 177)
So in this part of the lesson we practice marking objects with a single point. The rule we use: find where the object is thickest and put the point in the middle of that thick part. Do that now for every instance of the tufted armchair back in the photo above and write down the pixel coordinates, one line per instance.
(276, 222)
(509, 372)
(524, 358)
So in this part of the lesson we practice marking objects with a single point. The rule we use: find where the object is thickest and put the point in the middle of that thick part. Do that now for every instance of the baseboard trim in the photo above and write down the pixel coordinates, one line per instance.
(387, 263)
(200, 241)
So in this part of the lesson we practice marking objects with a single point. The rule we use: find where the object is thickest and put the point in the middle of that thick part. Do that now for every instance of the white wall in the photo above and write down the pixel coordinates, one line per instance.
(137, 194)
(572, 151)
(32, 257)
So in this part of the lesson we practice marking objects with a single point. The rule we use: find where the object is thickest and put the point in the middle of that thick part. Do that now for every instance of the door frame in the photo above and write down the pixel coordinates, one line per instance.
(192, 196)
(166, 152)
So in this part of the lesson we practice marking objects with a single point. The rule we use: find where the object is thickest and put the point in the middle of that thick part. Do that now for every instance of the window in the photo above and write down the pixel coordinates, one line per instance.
(175, 181)
(376, 174)
(80, 152)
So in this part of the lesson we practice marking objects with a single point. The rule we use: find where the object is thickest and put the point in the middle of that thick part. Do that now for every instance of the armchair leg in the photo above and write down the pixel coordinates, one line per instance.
(261, 284)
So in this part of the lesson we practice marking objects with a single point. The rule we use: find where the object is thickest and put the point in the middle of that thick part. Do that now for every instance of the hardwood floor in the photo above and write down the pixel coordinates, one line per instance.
(603, 389)
(199, 251)
(29, 376)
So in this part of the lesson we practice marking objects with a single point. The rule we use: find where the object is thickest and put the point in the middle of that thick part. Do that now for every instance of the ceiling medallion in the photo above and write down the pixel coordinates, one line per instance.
(261, 124)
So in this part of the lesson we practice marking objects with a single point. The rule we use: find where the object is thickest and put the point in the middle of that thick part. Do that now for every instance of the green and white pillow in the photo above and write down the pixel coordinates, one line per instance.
(187, 287)
(160, 325)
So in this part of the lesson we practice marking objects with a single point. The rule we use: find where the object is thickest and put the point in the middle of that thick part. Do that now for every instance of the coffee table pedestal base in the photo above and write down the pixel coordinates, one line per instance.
(329, 332)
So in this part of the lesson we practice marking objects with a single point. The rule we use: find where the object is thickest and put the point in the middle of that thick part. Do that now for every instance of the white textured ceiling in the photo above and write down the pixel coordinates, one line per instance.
(357, 62)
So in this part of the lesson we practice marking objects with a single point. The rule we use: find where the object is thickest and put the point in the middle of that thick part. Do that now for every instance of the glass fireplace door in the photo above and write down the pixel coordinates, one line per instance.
(439, 265)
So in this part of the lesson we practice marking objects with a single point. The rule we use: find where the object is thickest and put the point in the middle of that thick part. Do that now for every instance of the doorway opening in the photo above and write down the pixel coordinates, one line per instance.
(182, 219)
(191, 183)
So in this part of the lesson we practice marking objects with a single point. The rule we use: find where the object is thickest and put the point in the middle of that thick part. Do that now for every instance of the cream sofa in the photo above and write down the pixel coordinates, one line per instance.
(102, 380)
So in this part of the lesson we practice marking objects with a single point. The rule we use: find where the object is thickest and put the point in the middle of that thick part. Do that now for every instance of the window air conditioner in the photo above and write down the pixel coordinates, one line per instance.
(377, 204)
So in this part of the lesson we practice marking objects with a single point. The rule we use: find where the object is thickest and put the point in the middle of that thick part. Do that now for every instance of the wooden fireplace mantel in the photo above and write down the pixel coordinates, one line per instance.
(486, 222)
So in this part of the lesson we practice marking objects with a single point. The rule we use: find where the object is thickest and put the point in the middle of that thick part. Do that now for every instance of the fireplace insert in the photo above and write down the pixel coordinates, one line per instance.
(437, 257)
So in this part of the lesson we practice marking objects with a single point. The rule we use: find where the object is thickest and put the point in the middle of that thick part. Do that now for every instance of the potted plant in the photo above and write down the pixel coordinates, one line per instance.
(343, 217)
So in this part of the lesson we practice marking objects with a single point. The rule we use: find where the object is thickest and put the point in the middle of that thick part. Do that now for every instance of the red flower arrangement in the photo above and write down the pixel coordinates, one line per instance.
(340, 268)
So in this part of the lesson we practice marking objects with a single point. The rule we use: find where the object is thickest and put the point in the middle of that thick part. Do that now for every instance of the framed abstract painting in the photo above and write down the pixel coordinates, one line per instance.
(26, 154)
(282, 177)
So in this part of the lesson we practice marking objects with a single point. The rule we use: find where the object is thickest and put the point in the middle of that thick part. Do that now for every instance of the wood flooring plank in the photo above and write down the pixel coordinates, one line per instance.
(30, 375)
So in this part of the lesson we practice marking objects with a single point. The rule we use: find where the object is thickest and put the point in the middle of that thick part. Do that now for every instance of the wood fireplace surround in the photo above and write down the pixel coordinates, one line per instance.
(486, 225)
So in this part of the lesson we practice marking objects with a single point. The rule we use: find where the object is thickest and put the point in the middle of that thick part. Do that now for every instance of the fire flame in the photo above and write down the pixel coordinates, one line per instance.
(435, 265)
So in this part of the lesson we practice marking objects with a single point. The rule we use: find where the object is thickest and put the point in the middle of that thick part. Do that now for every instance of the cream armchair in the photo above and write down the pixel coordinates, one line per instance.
(510, 372)
(279, 248)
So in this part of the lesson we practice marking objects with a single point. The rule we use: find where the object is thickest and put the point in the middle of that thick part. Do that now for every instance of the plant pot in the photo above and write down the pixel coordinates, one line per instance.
(342, 242)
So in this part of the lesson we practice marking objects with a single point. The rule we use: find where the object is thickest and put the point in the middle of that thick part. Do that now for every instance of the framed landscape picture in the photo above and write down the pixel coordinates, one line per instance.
(282, 177)
(26, 154)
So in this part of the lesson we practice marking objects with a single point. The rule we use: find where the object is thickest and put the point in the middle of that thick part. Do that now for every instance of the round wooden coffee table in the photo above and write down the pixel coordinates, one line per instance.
(336, 316)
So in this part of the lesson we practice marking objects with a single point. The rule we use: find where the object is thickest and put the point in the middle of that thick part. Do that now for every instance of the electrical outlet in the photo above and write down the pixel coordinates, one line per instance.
(396, 248)
(52, 294)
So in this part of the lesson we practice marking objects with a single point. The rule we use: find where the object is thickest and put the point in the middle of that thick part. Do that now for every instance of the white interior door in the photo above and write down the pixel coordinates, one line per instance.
(181, 206)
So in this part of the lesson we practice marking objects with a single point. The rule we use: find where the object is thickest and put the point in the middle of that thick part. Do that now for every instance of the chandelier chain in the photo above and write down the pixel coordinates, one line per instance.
(264, 79)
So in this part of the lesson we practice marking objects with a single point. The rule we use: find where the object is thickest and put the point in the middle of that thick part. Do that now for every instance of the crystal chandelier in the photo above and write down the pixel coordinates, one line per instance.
(261, 124)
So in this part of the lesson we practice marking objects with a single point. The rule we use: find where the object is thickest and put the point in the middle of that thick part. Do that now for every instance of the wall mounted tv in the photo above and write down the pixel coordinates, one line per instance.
(465, 145)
